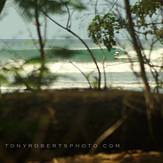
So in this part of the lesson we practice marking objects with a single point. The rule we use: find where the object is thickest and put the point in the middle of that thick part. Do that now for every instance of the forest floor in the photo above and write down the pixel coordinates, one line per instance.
(123, 157)
(79, 116)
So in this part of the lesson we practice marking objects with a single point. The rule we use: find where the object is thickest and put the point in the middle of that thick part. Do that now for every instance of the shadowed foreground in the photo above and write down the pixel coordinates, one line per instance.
(34, 124)
(129, 157)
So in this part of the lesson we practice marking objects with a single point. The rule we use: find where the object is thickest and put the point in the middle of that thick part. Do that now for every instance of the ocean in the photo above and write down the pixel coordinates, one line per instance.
(67, 57)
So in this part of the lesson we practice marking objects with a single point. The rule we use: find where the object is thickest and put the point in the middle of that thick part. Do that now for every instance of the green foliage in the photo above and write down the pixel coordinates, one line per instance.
(51, 6)
(62, 52)
(94, 83)
(33, 60)
(52, 54)
(38, 77)
(29, 6)
(148, 18)
(145, 8)
(3, 79)
(35, 80)
(102, 30)
(77, 4)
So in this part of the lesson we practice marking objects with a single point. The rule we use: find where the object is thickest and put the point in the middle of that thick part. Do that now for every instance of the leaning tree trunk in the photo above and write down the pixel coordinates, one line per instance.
(147, 93)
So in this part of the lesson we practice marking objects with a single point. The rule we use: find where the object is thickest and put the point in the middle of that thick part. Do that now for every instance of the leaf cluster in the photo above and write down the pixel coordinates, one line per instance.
(63, 53)
(102, 29)
(145, 8)
(32, 81)
(3, 79)
(51, 6)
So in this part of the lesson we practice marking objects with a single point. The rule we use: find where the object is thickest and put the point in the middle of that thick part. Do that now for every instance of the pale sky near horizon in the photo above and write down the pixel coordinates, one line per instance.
(13, 26)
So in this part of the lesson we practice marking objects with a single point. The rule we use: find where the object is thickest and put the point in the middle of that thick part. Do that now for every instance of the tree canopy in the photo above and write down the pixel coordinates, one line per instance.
(146, 17)
(53, 6)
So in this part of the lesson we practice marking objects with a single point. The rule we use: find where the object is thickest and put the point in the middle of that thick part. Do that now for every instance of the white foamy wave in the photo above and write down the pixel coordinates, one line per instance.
(153, 55)
(119, 72)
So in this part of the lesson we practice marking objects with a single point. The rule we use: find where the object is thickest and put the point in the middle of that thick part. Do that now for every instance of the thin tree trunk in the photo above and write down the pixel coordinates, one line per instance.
(41, 43)
(147, 93)
(83, 42)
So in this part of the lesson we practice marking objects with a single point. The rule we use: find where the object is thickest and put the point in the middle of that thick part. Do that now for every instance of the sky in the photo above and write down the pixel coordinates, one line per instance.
(14, 26)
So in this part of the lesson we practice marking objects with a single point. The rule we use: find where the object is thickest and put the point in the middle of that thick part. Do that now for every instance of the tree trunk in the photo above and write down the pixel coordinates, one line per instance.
(147, 93)
(41, 43)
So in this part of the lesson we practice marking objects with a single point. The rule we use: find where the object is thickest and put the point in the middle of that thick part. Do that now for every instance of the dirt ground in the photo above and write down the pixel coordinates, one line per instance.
(123, 157)
(79, 117)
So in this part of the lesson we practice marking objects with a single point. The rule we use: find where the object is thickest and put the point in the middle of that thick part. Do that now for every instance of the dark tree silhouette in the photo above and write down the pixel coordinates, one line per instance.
(2, 4)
